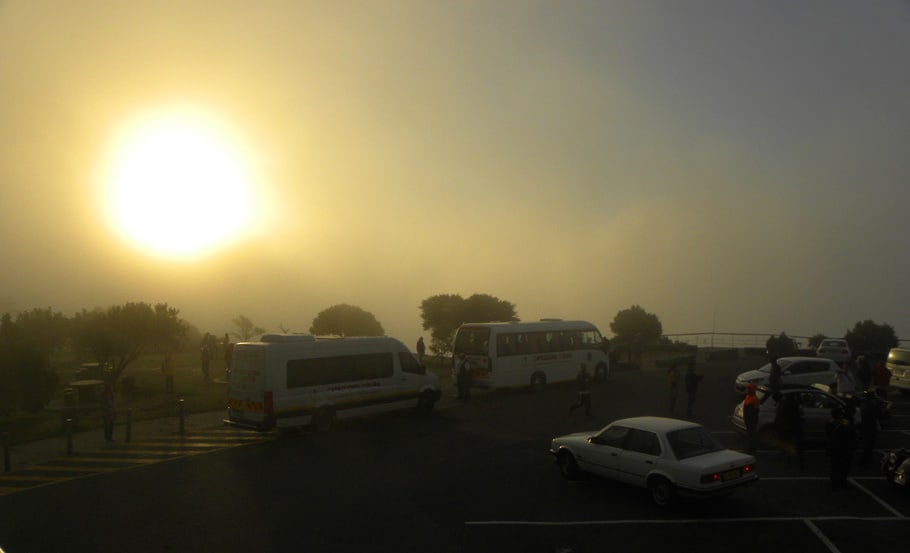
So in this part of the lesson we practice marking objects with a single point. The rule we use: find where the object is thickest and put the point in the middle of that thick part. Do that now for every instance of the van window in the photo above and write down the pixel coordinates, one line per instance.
(409, 364)
(342, 368)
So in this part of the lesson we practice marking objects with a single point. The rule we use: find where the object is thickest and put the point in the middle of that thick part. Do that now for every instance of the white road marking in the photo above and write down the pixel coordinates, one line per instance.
(875, 497)
(669, 521)
(821, 536)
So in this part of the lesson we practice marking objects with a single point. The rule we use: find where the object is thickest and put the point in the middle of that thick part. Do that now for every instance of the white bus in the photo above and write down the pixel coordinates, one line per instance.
(531, 354)
(288, 381)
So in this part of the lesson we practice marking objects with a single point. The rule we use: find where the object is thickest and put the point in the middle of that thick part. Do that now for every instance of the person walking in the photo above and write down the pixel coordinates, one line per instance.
(844, 382)
(871, 415)
(421, 349)
(840, 447)
(107, 410)
(788, 421)
(751, 408)
(463, 379)
(673, 384)
(693, 379)
(583, 380)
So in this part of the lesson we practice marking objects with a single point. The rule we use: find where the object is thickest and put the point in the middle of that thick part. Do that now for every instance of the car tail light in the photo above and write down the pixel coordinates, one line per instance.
(748, 469)
(708, 478)
(268, 403)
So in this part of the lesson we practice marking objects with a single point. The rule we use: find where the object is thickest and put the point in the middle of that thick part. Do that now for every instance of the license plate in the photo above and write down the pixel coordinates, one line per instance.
(731, 475)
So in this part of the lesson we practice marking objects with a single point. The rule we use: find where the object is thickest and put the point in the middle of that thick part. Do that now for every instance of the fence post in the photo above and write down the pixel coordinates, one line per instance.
(69, 436)
(6, 462)
(129, 425)
(180, 403)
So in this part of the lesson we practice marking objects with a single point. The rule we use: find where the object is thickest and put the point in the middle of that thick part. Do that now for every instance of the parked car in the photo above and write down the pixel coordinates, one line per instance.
(669, 457)
(815, 403)
(835, 349)
(794, 370)
(899, 364)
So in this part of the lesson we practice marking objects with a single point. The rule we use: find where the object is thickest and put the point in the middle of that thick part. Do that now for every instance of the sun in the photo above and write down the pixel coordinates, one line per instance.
(178, 186)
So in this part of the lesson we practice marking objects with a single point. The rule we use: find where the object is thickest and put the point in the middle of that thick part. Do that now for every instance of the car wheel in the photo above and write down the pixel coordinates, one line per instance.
(323, 420)
(662, 492)
(426, 402)
(567, 465)
(538, 382)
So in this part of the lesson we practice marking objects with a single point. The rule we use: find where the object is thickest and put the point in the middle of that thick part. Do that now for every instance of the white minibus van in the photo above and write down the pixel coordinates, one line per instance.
(531, 353)
(294, 380)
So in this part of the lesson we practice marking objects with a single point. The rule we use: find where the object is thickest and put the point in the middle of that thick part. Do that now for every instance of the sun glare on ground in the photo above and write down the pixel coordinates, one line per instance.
(178, 187)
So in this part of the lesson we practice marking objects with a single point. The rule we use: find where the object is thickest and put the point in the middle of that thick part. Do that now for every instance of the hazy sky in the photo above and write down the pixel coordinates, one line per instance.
(736, 165)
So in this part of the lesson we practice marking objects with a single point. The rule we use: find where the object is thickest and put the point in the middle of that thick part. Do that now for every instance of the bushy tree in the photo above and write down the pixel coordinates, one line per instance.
(868, 336)
(635, 325)
(444, 313)
(346, 320)
(246, 329)
(27, 381)
(118, 335)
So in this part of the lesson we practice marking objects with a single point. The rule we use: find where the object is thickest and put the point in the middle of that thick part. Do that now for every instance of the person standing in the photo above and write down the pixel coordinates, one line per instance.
(881, 377)
(206, 360)
(673, 384)
(863, 373)
(871, 415)
(751, 407)
(840, 447)
(693, 379)
(845, 384)
(167, 367)
(421, 349)
(772, 347)
(788, 421)
(463, 377)
(107, 410)
(583, 380)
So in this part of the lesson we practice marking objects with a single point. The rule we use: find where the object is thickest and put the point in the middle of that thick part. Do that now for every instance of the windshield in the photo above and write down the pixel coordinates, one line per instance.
(692, 442)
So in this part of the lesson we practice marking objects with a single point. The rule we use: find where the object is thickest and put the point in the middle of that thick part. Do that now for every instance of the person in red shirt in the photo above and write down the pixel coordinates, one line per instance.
(881, 379)
(751, 406)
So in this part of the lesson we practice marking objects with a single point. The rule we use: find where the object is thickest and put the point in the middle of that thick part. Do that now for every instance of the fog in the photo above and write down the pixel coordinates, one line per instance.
(725, 165)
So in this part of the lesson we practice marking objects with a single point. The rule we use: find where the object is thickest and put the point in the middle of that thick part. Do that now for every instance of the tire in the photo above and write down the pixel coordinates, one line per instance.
(662, 492)
(568, 467)
(426, 402)
(323, 420)
(601, 372)
(538, 382)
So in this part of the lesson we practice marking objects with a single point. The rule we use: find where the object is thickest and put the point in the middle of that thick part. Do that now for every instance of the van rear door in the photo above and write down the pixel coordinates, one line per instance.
(248, 404)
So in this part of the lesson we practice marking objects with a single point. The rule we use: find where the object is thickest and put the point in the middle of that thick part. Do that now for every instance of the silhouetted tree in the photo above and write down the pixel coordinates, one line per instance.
(868, 336)
(634, 327)
(346, 320)
(246, 329)
(444, 313)
(26, 380)
(118, 335)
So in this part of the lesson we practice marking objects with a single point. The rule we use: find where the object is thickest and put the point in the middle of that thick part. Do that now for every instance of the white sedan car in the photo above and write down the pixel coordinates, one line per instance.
(794, 370)
(669, 457)
(836, 349)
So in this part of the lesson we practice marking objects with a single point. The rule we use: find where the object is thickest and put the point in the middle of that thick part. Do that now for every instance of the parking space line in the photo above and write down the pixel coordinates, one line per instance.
(875, 497)
(737, 520)
(821, 536)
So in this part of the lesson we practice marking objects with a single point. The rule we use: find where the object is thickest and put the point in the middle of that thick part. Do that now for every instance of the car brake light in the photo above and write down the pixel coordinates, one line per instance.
(748, 468)
(268, 403)
(708, 478)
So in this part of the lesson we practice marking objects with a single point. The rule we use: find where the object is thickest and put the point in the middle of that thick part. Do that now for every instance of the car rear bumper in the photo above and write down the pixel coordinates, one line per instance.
(729, 487)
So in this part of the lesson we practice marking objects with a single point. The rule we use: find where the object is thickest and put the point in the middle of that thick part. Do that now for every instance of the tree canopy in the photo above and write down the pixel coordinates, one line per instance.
(444, 313)
(118, 335)
(25, 350)
(346, 320)
(868, 336)
(636, 326)
(246, 329)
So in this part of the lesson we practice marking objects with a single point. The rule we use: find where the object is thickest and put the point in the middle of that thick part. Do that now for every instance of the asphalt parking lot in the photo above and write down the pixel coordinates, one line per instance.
(472, 476)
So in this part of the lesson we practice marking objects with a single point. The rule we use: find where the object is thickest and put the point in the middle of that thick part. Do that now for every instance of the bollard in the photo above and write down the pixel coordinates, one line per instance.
(6, 463)
(129, 425)
(180, 403)
(69, 436)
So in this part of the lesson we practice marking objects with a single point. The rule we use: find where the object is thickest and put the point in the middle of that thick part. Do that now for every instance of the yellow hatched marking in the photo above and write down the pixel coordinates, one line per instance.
(4, 491)
(102, 460)
(86, 470)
